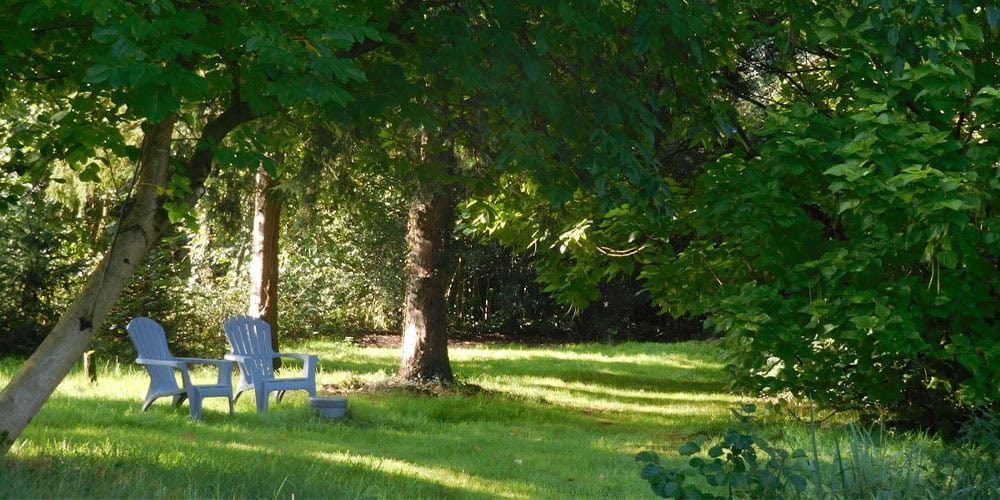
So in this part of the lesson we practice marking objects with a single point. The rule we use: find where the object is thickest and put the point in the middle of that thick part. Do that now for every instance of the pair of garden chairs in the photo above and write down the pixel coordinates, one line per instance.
(250, 343)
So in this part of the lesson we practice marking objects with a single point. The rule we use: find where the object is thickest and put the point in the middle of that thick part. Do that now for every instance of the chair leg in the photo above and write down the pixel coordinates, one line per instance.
(196, 400)
(179, 398)
(261, 394)
(149, 400)
(230, 406)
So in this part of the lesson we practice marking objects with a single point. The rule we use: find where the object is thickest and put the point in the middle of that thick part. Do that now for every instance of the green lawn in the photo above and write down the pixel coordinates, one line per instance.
(548, 422)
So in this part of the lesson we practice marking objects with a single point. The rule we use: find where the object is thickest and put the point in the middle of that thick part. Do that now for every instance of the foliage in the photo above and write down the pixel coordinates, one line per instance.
(167, 288)
(816, 180)
(734, 465)
(39, 258)
(873, 463)
(982, 430)
(879, 158)
(909, 468)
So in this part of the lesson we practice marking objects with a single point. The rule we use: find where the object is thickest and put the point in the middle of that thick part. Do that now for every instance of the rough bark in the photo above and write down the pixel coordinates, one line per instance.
(425, 328)
(264, 255)
(140, 229)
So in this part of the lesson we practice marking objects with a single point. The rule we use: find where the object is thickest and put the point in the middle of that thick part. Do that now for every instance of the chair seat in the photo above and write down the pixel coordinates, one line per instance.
(215, 389)
(287, 381)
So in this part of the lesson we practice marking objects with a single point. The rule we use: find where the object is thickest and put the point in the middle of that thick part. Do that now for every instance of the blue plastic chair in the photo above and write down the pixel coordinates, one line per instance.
(250, 340)
(151, 342)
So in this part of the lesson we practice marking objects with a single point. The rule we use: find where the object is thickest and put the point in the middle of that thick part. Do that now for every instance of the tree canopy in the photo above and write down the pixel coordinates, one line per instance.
(815, 180)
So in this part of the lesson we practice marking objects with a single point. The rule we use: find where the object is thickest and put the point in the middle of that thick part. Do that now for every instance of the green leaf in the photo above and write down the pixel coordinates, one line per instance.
(956, 205)
(955, 7)
(948, 259)
(155, 104)
(847, 205)
(650, 471)
(671, 489)
(97, 73)
(689, 448)
(647, 456)
(971, 31)
(105, 35)
(798, 481)
(696, 50)
(857, 19)
(91, 174)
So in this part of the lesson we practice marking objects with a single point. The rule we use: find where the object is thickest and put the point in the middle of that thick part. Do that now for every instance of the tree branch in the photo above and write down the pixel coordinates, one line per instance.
(199, 167)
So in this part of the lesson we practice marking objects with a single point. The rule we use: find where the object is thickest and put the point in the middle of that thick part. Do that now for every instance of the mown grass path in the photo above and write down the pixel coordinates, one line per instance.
(541, 422)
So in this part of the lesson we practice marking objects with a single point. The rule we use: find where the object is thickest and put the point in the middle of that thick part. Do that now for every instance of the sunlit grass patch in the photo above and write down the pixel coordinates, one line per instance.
(553, 422)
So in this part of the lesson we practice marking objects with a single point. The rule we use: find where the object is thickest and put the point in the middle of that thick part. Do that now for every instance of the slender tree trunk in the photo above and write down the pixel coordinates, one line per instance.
(425, 328)
(139, 231)
(264, 260)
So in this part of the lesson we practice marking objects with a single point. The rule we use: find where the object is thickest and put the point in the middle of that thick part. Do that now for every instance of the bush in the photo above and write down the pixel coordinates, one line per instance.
(735, 465)
(744, 465)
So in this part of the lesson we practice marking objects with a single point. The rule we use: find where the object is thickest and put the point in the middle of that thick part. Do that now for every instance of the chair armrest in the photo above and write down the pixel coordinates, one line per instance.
(309, 361)
(224, 366)
(172, 363)
(240, 358)
(202, 361)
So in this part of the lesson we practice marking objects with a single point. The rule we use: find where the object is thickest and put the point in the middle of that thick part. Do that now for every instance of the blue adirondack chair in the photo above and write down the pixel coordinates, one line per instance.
(151, 342)
(250, 340)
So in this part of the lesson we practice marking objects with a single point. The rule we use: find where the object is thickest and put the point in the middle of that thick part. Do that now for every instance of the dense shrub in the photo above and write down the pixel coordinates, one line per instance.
(852, 255)
(40, 259)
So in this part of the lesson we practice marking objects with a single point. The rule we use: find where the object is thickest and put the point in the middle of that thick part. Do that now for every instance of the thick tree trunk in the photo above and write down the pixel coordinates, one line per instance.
(264, 260)
(141, 228)
(425, 328)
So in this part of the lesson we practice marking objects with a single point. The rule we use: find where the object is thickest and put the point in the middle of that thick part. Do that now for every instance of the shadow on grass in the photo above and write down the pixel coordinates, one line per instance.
(546, 426)
(161, 453)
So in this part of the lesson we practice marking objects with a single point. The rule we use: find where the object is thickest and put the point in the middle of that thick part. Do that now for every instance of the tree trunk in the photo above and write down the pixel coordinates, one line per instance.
(139, 231)
(264, 260)
(141, 228)
(425, 328)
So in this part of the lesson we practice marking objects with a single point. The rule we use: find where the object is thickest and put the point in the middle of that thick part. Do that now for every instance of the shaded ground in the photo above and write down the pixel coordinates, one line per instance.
(392, 340)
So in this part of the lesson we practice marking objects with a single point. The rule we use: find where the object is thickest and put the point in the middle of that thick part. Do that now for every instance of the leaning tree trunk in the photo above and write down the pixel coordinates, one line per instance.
(140, 229)
(264, 260)
(425, 329)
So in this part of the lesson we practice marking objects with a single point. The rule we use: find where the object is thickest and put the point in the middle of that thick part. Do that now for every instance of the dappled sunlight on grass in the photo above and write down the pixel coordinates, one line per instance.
(534, 422)
(541, 355)
(550, 388)
(596, 398)
(444, 476)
